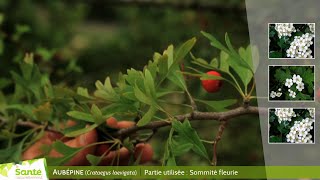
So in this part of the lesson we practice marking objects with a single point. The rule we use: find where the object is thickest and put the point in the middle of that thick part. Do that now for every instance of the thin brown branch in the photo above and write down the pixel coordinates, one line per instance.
(28, 124)
(217, 116)
(217, 139)
(200, 116)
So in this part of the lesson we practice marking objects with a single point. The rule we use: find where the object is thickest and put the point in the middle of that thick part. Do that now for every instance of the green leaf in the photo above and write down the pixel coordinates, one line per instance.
(184, 50)
(81, 116)
(200, 60)
(275, 54)
(281, 75)
(24, 108)
(275, 139)
(218, 105)
(97, 114)
(164, 92)
(169, 53)
(180, 146)
(147, 117)
(168, 157)
(244, 73)
(185, 130)
(78, 126)
(215, 42)
(141, 96)
(171, 161)
(120, 108)
(234, 56)
(43, 112)
(13, 153)
(253, 56)
(223, 62)
(163, 67)
(106, 91)
(177, 78)
(149, 84)
(173, 67)
(68, 154)
(134, 77)
(83, 92)
(94, 160)
(229, 45)
(81, 131)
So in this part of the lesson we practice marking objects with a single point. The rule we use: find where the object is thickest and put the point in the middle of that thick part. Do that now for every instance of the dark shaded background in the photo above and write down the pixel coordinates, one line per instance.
(79, 42)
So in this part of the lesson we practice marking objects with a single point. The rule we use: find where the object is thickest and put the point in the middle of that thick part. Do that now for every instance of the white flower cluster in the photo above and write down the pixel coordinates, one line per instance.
(292, 93)
(311, 112)
(300, 131)
(274, 94)
(284, 114)
(296, 79)
(311, 27)
(300, 46)
(284, 29)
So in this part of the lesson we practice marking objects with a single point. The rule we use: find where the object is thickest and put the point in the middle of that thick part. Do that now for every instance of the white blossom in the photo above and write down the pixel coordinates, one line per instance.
(311, 27)
(300, 46)
(284, 29)
(292, 93)
(300, 131)
(300, 86)
(311, 112)
(288, 83)
(284, 114)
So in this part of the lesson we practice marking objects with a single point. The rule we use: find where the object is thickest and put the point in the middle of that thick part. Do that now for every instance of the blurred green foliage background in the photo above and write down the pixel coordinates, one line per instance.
(78, 42)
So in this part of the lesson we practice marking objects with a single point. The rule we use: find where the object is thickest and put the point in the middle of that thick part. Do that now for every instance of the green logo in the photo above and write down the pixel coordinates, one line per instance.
(31, 169)
(33, 172)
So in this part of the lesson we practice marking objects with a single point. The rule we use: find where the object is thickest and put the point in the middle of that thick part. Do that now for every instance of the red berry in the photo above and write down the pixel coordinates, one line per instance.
(211, 85)
(112, 122)
(144, 152)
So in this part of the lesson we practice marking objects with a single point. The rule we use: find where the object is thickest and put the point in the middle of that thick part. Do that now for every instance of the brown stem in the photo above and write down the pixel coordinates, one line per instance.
(200, 116)
(195, 116)
(217, 139)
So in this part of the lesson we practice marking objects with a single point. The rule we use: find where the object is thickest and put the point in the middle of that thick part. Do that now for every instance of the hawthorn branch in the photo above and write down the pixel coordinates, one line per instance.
(194, 116)
(222, 126)
(200, 116)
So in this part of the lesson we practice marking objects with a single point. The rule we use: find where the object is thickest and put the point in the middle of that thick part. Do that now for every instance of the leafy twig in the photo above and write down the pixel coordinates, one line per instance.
(197, 115)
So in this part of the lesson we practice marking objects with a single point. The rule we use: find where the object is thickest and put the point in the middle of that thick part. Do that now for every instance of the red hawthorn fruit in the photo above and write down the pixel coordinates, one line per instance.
(112, 122)
(212, 85)
(144, 152)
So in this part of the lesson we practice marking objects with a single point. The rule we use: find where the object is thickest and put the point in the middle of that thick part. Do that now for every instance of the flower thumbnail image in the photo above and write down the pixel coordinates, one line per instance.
(291, 83)
(290, 40)
(290, 125)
